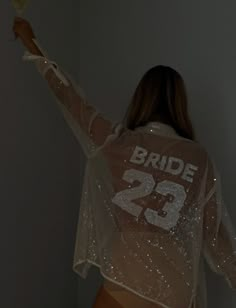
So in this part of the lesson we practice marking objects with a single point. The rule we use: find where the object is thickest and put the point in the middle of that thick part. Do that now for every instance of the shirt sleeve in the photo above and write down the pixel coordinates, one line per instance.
(91, 128)
(219, 233)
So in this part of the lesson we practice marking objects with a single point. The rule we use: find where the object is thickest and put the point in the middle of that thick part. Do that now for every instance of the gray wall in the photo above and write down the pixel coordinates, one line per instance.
(120, 40)
(40, 166)
(107, 46)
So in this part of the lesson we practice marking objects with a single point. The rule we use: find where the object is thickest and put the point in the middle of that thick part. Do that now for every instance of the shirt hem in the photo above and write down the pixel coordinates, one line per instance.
(125, 287)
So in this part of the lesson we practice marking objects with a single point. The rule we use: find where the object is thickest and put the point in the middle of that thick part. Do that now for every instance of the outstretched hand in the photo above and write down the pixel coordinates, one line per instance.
(23, 29)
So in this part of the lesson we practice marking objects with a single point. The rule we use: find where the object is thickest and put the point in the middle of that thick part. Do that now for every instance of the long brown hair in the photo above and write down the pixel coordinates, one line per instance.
(160, 96)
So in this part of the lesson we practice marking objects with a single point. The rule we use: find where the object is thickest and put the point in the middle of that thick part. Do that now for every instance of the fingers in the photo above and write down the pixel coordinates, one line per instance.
(18, 21)
(22, 29)
(17, 18)
(15, 27)
(16, 36)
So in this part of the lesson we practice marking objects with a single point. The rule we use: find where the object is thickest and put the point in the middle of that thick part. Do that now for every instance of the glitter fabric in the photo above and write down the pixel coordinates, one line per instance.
(151, 206)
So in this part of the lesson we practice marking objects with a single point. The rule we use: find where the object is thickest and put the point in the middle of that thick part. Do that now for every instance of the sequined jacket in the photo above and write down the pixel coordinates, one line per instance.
(151, 206)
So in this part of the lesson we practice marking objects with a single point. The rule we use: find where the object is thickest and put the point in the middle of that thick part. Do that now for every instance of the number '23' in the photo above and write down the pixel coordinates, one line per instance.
(124, 198)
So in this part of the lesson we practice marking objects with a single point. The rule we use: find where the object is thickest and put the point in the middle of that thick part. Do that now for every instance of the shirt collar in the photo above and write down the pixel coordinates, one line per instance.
(159, 128)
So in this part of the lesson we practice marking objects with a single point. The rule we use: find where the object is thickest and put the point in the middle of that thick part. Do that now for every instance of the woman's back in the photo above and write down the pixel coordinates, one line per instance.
(156, 176)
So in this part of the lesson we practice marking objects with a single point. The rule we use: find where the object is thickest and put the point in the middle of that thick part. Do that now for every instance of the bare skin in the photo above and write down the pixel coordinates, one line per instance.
(126, 298)
(23, 30)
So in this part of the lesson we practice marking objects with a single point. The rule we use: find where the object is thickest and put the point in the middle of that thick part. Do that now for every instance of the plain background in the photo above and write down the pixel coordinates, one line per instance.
(107, 46)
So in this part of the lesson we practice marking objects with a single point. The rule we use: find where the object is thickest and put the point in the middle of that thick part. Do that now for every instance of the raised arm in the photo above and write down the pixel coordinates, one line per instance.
(90, 126)
(218, 231)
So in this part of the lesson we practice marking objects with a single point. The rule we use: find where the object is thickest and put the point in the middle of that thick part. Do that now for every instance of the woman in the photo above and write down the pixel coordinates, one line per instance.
(151, 205)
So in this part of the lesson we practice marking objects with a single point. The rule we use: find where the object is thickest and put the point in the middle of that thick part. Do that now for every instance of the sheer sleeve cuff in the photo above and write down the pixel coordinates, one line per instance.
(43, 64)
